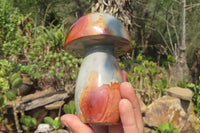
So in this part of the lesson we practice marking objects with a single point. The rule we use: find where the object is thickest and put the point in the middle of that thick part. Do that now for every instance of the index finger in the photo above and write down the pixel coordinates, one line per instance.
(127, 92)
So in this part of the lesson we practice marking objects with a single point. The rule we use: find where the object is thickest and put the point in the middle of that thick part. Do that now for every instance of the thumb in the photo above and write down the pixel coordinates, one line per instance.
(75, 124)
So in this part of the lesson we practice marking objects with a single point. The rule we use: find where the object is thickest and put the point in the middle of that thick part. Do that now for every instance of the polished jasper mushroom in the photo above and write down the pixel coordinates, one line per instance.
(99, 37)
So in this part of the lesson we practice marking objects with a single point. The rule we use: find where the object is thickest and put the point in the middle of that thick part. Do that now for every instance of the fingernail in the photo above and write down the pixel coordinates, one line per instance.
(127, 84)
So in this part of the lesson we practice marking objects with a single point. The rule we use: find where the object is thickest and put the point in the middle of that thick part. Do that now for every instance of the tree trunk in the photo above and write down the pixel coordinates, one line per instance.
(181, 70)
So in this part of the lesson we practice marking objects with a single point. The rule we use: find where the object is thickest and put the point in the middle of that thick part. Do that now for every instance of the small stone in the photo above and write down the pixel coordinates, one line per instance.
(55, 105)
(44, 128)
(192, 125)
(27, 79)
(165, 109)
(182, 93)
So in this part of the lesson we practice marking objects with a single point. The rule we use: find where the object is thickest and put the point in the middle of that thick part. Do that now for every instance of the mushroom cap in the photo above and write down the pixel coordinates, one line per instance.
(97, 29)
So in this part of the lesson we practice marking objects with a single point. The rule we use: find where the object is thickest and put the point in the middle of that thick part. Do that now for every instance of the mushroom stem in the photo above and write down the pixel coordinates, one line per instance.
(97, 88)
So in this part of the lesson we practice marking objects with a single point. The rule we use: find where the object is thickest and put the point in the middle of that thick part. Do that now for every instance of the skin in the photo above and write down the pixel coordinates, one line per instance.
(130, 115)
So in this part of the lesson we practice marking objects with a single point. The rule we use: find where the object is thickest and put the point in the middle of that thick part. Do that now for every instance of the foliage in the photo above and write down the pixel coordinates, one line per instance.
(171, 59)
(32, 35)
(11, 95)
(15, 76)
(36, 51)
(4, 72)
(196, 94)
(166, 128)
(182, 84)
(17, 82)
(28, 122)
(8, 20)
(69, 108)
(55, 123)
(3, 101)
(148, 78)
(195, 97)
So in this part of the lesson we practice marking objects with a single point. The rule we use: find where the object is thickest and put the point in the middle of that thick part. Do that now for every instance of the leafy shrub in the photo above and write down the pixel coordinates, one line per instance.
(196, 94)
(195, 97)
(69, 108)
(15, 76)
(17, 82)
(4, 72)
(55, 123)
(166, 128)
(3, 101)
(28, 122)
(11, 95)
(148, 78)
(38, 52)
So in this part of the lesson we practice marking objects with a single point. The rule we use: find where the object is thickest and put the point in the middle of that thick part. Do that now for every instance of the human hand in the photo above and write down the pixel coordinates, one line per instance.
(130, 115)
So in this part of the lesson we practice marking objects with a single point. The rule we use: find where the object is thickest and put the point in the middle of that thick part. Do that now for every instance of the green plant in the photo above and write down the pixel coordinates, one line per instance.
(196, 94)
(171, 60)
(183, 84)
(166, 128)
(195, 97)
(28, 122)
(55, 123)
(8, 33)
(3, 101)
(15, 76)
(11, 95)
(4, 74)
(69, 108)
(148, 78)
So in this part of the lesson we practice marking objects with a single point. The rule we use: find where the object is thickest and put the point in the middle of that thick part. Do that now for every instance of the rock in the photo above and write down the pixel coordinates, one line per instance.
(182, 93)
(143, 107)
(190, 110)
(165, 109)
(27, 79)
(192, 125)
(24, 89)
(55, 105)
(44, 128)
(45, 83)
(27, 85)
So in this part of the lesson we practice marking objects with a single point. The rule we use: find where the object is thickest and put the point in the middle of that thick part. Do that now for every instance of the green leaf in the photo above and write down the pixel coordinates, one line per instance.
(139, 58)
(3, 101)
(49, 120)
(57, 123)
(26, 120)
(33, 122)
(171, 59)
(191, 85)
(166, 128)
(15, 76)
(25, 127)
(11, 95)
(17, 83)
(70, 108)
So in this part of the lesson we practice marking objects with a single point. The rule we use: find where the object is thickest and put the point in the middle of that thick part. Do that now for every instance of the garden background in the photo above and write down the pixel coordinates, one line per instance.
(165, 38)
